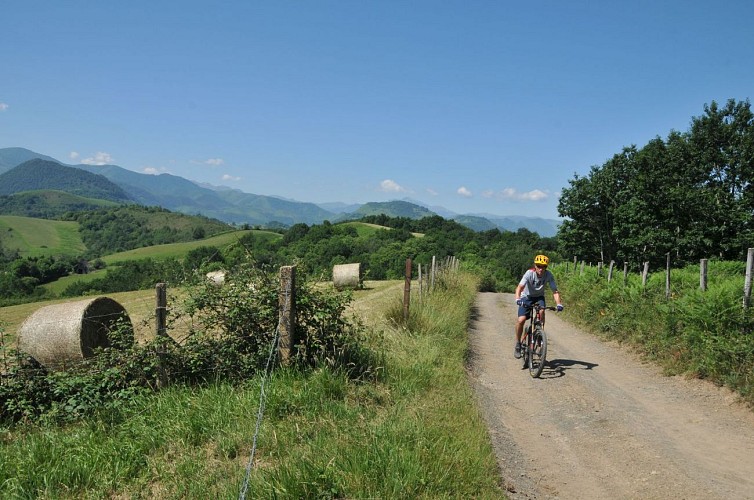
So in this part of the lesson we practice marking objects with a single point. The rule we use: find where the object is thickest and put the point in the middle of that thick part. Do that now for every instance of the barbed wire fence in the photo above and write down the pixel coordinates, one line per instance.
(580, 267)
(151, 321)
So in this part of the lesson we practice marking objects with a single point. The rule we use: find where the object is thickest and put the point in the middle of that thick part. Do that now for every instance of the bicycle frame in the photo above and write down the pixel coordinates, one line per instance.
(534, 341)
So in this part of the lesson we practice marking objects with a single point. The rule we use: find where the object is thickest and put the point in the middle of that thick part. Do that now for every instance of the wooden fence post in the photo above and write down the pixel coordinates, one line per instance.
(161, 320)
(747, 283)
(644, 274)
(610, 271)
(419, 266)
(599, 269)
(287, 314)
(407, 290)
(582, 268)
(161, 309)
(703, 274)
(434, 271)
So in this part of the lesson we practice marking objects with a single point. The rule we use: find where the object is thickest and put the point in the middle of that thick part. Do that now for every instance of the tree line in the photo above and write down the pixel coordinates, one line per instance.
(691, 195)
(500, 257)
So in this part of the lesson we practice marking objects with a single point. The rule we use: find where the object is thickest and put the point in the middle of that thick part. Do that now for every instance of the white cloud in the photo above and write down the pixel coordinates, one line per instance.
(99, 159)
(3, 106)
(488, 193)
(215, 162)
(464, 192)
(390, 186)
(150, 170)
(432, 192)
(228, 177)
(535, 195)
(73, 155)
(512, 194)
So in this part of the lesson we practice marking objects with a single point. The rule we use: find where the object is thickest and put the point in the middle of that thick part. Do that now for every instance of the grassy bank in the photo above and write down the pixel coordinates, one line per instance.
(705, 334)
(413, 431)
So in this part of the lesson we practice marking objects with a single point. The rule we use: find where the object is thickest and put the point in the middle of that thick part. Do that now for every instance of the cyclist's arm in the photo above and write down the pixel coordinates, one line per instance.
(556, 296)
(519, 289)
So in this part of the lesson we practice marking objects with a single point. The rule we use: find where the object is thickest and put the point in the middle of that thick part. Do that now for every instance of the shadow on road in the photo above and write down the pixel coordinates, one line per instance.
(556, 368)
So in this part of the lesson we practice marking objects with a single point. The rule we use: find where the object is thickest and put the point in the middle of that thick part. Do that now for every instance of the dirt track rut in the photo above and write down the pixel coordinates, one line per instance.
(600, 423)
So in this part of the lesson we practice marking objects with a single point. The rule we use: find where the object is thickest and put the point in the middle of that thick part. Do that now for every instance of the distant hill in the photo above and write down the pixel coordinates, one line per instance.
(392, 209)
(12, 157)
(105, 231)
(337, 207)
(37, 174)
(474, 222)
(543, 227)
(237, 207)
(258, 209)
(48, 204)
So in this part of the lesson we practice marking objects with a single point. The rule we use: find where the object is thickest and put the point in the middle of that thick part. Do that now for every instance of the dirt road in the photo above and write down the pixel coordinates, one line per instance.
(602, 424)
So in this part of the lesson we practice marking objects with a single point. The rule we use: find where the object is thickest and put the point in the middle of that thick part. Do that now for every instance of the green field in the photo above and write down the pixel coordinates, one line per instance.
(158, 252)
(179, 250)
(38, 237)
(365, 229)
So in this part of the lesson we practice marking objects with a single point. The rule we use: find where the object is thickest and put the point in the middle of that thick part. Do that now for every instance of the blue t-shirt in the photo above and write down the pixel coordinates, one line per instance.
(534, 286)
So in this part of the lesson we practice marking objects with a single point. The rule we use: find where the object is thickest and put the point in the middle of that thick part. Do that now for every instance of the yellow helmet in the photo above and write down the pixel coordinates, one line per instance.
(541, 260)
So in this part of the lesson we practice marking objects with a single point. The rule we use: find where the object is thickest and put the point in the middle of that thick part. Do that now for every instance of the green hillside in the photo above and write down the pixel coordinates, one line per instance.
(475, 223)
(393, 209)
(128, 227)
(365, 229)
(49, 204)
(179, 250)
(39, 174)
(37, 237)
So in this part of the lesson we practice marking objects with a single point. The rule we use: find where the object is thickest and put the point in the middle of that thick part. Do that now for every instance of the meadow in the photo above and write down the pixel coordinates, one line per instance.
(38, 237)
(410, 431)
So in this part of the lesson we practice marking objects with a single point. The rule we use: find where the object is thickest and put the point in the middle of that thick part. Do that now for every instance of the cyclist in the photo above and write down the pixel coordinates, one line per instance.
(530, 290)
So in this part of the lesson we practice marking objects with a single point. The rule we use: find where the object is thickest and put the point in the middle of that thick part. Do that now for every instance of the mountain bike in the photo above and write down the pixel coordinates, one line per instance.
(534, 341)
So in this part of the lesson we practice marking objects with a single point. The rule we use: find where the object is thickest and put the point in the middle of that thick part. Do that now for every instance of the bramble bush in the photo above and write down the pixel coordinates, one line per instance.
(232, 335)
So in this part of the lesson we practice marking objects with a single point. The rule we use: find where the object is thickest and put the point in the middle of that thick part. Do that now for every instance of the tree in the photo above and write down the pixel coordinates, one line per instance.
(691, 194)
(722, 143)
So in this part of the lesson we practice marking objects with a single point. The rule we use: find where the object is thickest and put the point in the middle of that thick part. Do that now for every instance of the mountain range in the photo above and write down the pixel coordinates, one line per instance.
(23, 170)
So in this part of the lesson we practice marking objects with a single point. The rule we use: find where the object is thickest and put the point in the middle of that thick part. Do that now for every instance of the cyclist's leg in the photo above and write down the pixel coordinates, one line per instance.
(523, 315)
(519, 332)
(520, 327)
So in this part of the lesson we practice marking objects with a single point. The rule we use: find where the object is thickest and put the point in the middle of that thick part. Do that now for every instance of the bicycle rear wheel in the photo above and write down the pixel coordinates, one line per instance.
(537, 353)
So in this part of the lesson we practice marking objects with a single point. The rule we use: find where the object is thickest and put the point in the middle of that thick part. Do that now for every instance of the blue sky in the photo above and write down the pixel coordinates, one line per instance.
(476, 106)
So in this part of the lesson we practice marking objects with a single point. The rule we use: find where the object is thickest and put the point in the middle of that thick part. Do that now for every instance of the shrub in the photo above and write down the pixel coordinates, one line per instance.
(233, 336)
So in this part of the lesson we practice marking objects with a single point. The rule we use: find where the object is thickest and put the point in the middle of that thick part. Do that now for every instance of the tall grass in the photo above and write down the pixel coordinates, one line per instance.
(705, 334)
(413, 431)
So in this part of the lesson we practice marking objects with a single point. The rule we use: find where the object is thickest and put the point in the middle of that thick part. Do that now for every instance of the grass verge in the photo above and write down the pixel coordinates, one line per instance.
(703, 334)
(413, 432)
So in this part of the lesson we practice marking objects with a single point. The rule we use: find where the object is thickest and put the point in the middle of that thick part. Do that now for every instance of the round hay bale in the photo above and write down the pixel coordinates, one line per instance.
(61, 334)
(216, 277)
(347, 276)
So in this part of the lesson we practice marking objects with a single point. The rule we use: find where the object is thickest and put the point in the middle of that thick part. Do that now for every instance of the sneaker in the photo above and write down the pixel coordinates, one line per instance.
(517, 351)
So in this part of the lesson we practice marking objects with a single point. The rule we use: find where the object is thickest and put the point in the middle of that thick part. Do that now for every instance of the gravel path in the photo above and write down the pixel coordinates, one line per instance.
(601, 423)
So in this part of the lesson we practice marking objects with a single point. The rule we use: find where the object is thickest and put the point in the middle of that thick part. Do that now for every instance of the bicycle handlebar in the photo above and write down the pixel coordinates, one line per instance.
(537, 306)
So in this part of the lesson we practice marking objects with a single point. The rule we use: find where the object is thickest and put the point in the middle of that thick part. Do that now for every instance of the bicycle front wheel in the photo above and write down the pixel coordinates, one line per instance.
(537, 353)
